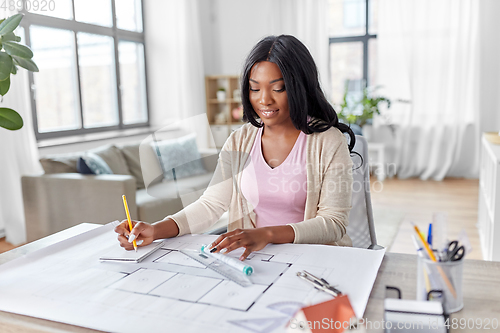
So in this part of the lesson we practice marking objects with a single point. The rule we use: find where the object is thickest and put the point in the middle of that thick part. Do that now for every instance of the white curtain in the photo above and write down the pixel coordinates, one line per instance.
(18, 156)
(428, 54)
(308, 21)
(176, 81)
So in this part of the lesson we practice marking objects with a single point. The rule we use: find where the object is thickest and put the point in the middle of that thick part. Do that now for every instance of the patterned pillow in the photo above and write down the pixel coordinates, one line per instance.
(180, 156)
(93, 164)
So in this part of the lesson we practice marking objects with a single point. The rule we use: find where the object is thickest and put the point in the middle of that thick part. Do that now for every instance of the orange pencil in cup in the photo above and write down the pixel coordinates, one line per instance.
(128, 218)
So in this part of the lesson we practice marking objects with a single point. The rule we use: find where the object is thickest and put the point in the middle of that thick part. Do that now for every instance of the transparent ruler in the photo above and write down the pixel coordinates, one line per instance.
(219, 267)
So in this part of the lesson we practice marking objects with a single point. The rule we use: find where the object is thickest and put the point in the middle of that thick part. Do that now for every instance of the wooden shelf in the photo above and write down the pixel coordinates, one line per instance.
(219, 113)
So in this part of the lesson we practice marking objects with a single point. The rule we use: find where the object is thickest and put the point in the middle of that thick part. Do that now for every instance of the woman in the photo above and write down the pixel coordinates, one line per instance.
(286, 176)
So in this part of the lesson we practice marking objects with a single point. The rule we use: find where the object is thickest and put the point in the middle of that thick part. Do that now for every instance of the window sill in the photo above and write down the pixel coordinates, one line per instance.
(68, 140)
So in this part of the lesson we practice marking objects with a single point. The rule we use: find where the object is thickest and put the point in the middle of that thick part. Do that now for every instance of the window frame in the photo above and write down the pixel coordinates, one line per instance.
(359, 38)
(74, 26)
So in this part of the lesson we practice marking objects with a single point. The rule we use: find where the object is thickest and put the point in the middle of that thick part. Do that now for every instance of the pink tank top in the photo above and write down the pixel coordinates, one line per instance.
(278, 194)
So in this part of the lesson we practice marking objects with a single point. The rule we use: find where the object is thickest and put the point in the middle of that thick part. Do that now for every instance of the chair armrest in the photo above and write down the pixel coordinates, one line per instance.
(54, 202)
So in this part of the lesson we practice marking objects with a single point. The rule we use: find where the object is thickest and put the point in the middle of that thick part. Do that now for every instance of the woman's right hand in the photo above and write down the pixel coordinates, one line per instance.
(143, 233)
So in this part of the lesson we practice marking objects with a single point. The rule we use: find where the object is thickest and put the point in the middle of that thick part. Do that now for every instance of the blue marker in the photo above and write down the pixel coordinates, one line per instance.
(429, 235)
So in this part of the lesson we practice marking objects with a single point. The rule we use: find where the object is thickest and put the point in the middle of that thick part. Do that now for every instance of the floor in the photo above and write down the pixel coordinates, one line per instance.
(419, 200)
(5, 246)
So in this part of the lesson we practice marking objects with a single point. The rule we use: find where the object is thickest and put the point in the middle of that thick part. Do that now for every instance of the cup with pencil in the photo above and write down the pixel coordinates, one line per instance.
(439, 269)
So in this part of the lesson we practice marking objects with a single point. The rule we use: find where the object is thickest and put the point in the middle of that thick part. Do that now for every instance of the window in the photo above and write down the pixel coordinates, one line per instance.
(353, 45)
(92, 66)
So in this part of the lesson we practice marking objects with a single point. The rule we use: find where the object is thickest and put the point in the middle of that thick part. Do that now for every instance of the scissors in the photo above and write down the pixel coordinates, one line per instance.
(454, 252)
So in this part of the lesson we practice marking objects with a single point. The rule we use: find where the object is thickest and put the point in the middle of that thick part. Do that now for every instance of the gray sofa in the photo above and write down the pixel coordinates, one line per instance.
(62, 197)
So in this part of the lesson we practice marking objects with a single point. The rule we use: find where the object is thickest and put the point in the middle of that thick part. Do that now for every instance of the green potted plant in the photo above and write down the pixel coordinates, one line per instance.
(360, 111)
(12, 55)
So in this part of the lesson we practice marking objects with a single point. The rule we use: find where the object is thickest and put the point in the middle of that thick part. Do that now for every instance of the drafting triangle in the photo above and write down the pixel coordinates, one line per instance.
(288, 308)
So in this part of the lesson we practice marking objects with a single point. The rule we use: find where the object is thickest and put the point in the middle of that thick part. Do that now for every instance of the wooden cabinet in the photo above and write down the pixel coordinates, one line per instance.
(489, 200)
(221, 113)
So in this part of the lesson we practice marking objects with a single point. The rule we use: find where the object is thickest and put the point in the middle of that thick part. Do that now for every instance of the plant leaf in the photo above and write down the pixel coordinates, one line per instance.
(14, 69)
(5, 65)
(10, 24)
(9, 37)
(4, 86)
(25, 63)
(10, 119)
(15, 49)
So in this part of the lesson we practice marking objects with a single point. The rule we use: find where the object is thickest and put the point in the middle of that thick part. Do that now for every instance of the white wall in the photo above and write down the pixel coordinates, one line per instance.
(207, 13)
(489, 75)
(230, 28)
(159, 29)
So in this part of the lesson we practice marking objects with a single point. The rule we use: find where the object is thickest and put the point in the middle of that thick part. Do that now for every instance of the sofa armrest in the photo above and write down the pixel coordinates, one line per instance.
(209, 158)
(54, 202)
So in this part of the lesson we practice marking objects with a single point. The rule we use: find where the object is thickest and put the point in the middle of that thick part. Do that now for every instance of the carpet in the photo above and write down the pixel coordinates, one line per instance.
(387, 222)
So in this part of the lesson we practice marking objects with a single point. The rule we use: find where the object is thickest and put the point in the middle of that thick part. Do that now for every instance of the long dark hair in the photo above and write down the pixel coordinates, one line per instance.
(305, 97)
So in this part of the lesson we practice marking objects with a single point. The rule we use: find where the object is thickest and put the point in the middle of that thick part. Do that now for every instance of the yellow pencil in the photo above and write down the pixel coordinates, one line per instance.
(433, 258)
(128, 218)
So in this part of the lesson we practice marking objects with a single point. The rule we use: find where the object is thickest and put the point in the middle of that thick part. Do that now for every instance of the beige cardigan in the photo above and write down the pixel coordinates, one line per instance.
(329, 190)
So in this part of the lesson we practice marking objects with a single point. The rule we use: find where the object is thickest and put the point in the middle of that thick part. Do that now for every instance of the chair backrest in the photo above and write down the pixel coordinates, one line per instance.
(361, 227)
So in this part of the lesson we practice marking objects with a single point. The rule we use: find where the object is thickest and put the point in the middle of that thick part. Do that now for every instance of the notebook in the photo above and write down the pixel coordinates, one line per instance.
(120, 254)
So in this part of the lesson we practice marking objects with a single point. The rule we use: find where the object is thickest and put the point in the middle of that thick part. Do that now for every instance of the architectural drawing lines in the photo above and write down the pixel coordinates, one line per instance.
(172, 281)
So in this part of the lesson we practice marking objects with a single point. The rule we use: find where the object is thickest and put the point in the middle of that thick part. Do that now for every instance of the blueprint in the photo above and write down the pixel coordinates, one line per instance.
(169, 291)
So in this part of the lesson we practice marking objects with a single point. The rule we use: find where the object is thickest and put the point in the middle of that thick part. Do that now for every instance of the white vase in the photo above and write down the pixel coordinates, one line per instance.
(221, 96)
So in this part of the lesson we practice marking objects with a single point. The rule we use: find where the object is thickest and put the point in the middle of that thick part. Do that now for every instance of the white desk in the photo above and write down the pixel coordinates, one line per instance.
(481, 290)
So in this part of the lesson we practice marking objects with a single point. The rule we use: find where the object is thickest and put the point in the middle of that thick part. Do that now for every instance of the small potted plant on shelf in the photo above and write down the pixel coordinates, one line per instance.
(221, 94)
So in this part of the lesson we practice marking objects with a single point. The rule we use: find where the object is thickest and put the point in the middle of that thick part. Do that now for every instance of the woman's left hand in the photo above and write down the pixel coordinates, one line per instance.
(250, 239)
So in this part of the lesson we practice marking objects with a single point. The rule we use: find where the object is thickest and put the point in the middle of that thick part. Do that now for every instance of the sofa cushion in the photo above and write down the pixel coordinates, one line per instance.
(152, 207)
(93, 164)
(113, 158)
(160, 200)
(142, 163)
(132, 158)
(60, 163)
(180, 154)
(195, 183)
(171, 189)
(66, 163)
(150, 166)
(83, 168)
